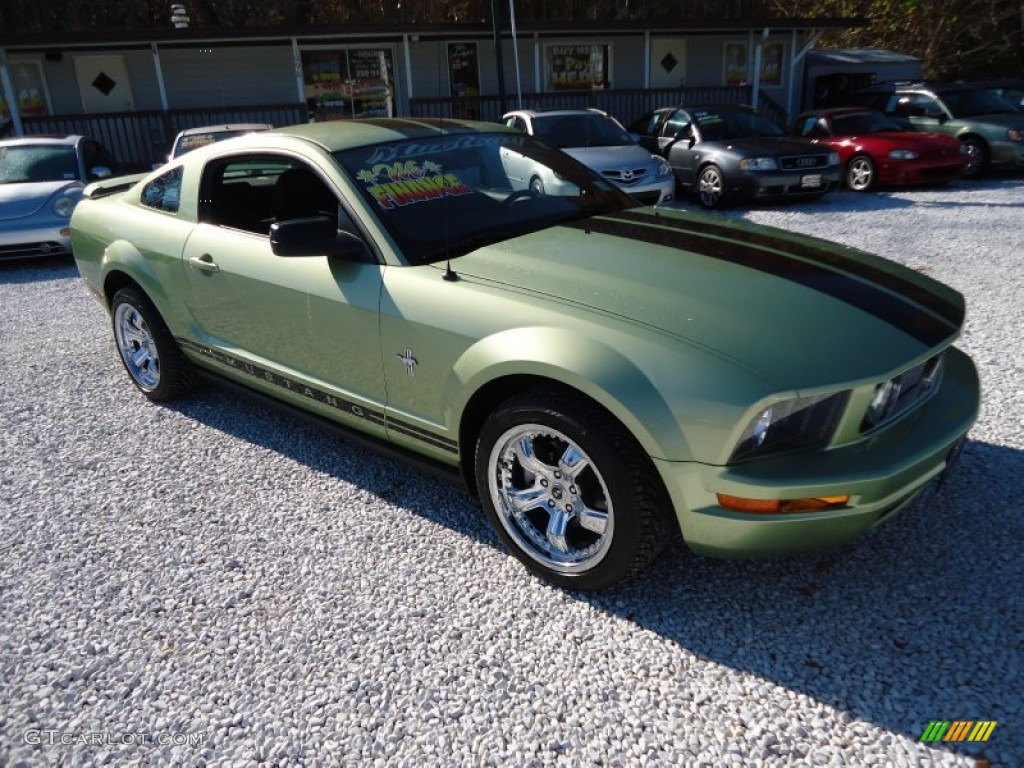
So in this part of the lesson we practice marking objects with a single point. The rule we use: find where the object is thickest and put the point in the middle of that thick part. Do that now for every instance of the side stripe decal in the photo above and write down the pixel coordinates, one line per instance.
(347, 407)
(925, 327)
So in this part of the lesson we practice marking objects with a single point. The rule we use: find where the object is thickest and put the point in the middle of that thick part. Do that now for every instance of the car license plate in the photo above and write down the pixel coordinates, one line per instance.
(811, 180)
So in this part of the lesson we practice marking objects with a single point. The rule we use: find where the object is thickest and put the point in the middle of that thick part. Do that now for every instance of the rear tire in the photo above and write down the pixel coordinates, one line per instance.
(569, 491)
(977, 149)
(148, 351)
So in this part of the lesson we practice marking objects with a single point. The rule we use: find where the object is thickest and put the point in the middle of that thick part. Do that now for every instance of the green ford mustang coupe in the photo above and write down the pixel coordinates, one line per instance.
(600, 373)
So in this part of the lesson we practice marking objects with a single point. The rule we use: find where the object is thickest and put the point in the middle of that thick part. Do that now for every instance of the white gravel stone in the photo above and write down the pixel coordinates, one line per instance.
(220, 572)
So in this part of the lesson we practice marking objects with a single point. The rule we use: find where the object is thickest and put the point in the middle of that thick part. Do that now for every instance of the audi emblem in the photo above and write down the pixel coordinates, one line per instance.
(805, 162)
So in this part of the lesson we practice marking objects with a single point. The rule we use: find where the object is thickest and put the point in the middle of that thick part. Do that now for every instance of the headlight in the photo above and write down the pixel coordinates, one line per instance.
(63, 206)
(791, 425)
(833, 158)
(1014, 134)
(903, 154)
(758, 164)
(664, 169)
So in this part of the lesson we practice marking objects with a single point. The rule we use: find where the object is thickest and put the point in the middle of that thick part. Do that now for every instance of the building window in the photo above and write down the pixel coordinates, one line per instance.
(736, 64)
(349, 83)
(771, 64)
(29, 88)
(577, 67)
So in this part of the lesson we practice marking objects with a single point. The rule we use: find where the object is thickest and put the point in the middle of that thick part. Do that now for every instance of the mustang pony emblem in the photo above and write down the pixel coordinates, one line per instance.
(408, 361)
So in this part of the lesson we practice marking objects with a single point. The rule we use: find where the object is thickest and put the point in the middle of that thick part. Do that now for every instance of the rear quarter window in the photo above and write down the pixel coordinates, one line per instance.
(164, 192)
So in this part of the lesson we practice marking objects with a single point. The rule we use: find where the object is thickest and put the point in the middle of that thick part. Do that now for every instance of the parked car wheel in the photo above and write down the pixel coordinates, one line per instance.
(977, 150)
(537, 186)
(568, 490)
(861, 175)
(710, 187)
(148, 351)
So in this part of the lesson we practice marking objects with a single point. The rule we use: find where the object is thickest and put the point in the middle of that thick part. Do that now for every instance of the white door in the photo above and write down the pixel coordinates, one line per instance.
(104, 84)
(668, 62)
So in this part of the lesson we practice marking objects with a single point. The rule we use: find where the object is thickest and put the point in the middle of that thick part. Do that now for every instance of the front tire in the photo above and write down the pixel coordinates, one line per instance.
(568, 490)
(977, 150)
(711, 187)
(861, 174)
(148, 351)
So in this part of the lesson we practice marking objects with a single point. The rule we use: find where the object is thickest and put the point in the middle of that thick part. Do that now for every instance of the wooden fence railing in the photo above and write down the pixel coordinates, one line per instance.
(139, 139)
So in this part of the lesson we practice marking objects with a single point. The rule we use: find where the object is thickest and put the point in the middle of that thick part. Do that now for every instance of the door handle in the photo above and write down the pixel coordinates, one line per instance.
(204, 262)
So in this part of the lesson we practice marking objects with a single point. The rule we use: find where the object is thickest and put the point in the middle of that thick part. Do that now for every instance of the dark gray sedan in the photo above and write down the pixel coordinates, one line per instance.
(728, 153)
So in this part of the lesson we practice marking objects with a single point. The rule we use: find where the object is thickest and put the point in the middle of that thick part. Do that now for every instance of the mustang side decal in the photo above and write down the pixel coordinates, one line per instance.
(313, 393)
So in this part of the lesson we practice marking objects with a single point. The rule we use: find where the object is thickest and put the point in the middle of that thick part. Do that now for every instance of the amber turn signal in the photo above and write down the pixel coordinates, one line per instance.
(781, 506)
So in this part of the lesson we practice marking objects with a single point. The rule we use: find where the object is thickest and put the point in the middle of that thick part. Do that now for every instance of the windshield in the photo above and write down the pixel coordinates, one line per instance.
(443, 197)
(564, 131)
(716, 126)
(37, 162)
(196, 140)
(969, 102)
(863, 122)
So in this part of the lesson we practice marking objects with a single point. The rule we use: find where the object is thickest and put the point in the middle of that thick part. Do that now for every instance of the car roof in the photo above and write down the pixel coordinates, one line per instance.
(226, 127)
(338, 135)
(554, 112)
(62, 140)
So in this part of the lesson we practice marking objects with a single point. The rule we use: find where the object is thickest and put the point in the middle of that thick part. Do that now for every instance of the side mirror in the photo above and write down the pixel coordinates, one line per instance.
(316, 236)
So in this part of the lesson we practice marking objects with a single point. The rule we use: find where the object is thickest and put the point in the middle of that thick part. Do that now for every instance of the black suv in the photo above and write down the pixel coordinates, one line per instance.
(991, 127)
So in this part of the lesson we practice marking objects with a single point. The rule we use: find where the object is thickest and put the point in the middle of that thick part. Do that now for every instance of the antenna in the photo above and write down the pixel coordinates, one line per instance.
(449, 274)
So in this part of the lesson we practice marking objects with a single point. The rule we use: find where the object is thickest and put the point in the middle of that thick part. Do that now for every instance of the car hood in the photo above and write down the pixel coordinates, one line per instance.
(766, 145)
(611, 157)
(25, 199)
(798, 311)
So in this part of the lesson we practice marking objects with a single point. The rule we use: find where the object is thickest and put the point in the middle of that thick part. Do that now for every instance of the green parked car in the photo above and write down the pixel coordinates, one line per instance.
(990, 127)
(601, 374)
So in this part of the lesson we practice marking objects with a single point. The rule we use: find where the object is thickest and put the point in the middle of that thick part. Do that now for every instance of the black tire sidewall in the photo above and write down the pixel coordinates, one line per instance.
(177, 377)
(593, 440)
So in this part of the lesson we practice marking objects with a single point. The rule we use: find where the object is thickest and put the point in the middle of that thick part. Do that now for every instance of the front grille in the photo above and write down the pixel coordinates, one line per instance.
(647, 198)
(898, 395)
(29, 250)
(625, 177)
(803, 162)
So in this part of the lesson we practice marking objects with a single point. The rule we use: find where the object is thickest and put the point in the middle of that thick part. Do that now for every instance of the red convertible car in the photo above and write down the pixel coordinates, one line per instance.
(876, 150)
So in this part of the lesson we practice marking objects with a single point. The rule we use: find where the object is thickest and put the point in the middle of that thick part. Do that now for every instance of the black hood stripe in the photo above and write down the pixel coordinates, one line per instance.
(925, 327)
(417, 129)
(951, 312)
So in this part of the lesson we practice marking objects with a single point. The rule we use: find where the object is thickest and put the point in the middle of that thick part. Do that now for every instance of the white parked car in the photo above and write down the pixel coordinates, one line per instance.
(597, 140)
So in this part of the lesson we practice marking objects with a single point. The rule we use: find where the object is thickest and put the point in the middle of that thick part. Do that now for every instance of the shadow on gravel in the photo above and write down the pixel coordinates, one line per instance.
(37, 270)
(920, 620)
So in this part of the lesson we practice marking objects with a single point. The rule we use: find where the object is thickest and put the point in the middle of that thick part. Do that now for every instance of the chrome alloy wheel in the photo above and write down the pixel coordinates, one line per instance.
(860, 176)
(137, 347)
(710, 187)
(550, 498)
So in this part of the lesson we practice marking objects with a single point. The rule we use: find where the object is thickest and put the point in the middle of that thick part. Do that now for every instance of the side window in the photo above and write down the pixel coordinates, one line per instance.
(806, 127)
(679, 121)
(918, 105)
(164, 192)
(252, 192)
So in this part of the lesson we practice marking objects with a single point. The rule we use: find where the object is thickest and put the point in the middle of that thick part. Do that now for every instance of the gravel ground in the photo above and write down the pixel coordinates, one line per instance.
(216, 583)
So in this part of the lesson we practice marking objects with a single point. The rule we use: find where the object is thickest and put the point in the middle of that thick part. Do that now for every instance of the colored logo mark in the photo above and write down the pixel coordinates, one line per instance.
(958, 730)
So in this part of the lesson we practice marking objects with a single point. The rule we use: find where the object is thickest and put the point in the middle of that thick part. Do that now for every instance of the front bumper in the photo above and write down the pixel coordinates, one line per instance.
(23, 239)
(655, 193)
(882, 473)
(787, 184)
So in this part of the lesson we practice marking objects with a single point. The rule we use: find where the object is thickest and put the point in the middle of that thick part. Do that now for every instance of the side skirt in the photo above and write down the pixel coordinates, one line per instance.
(442, 471)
